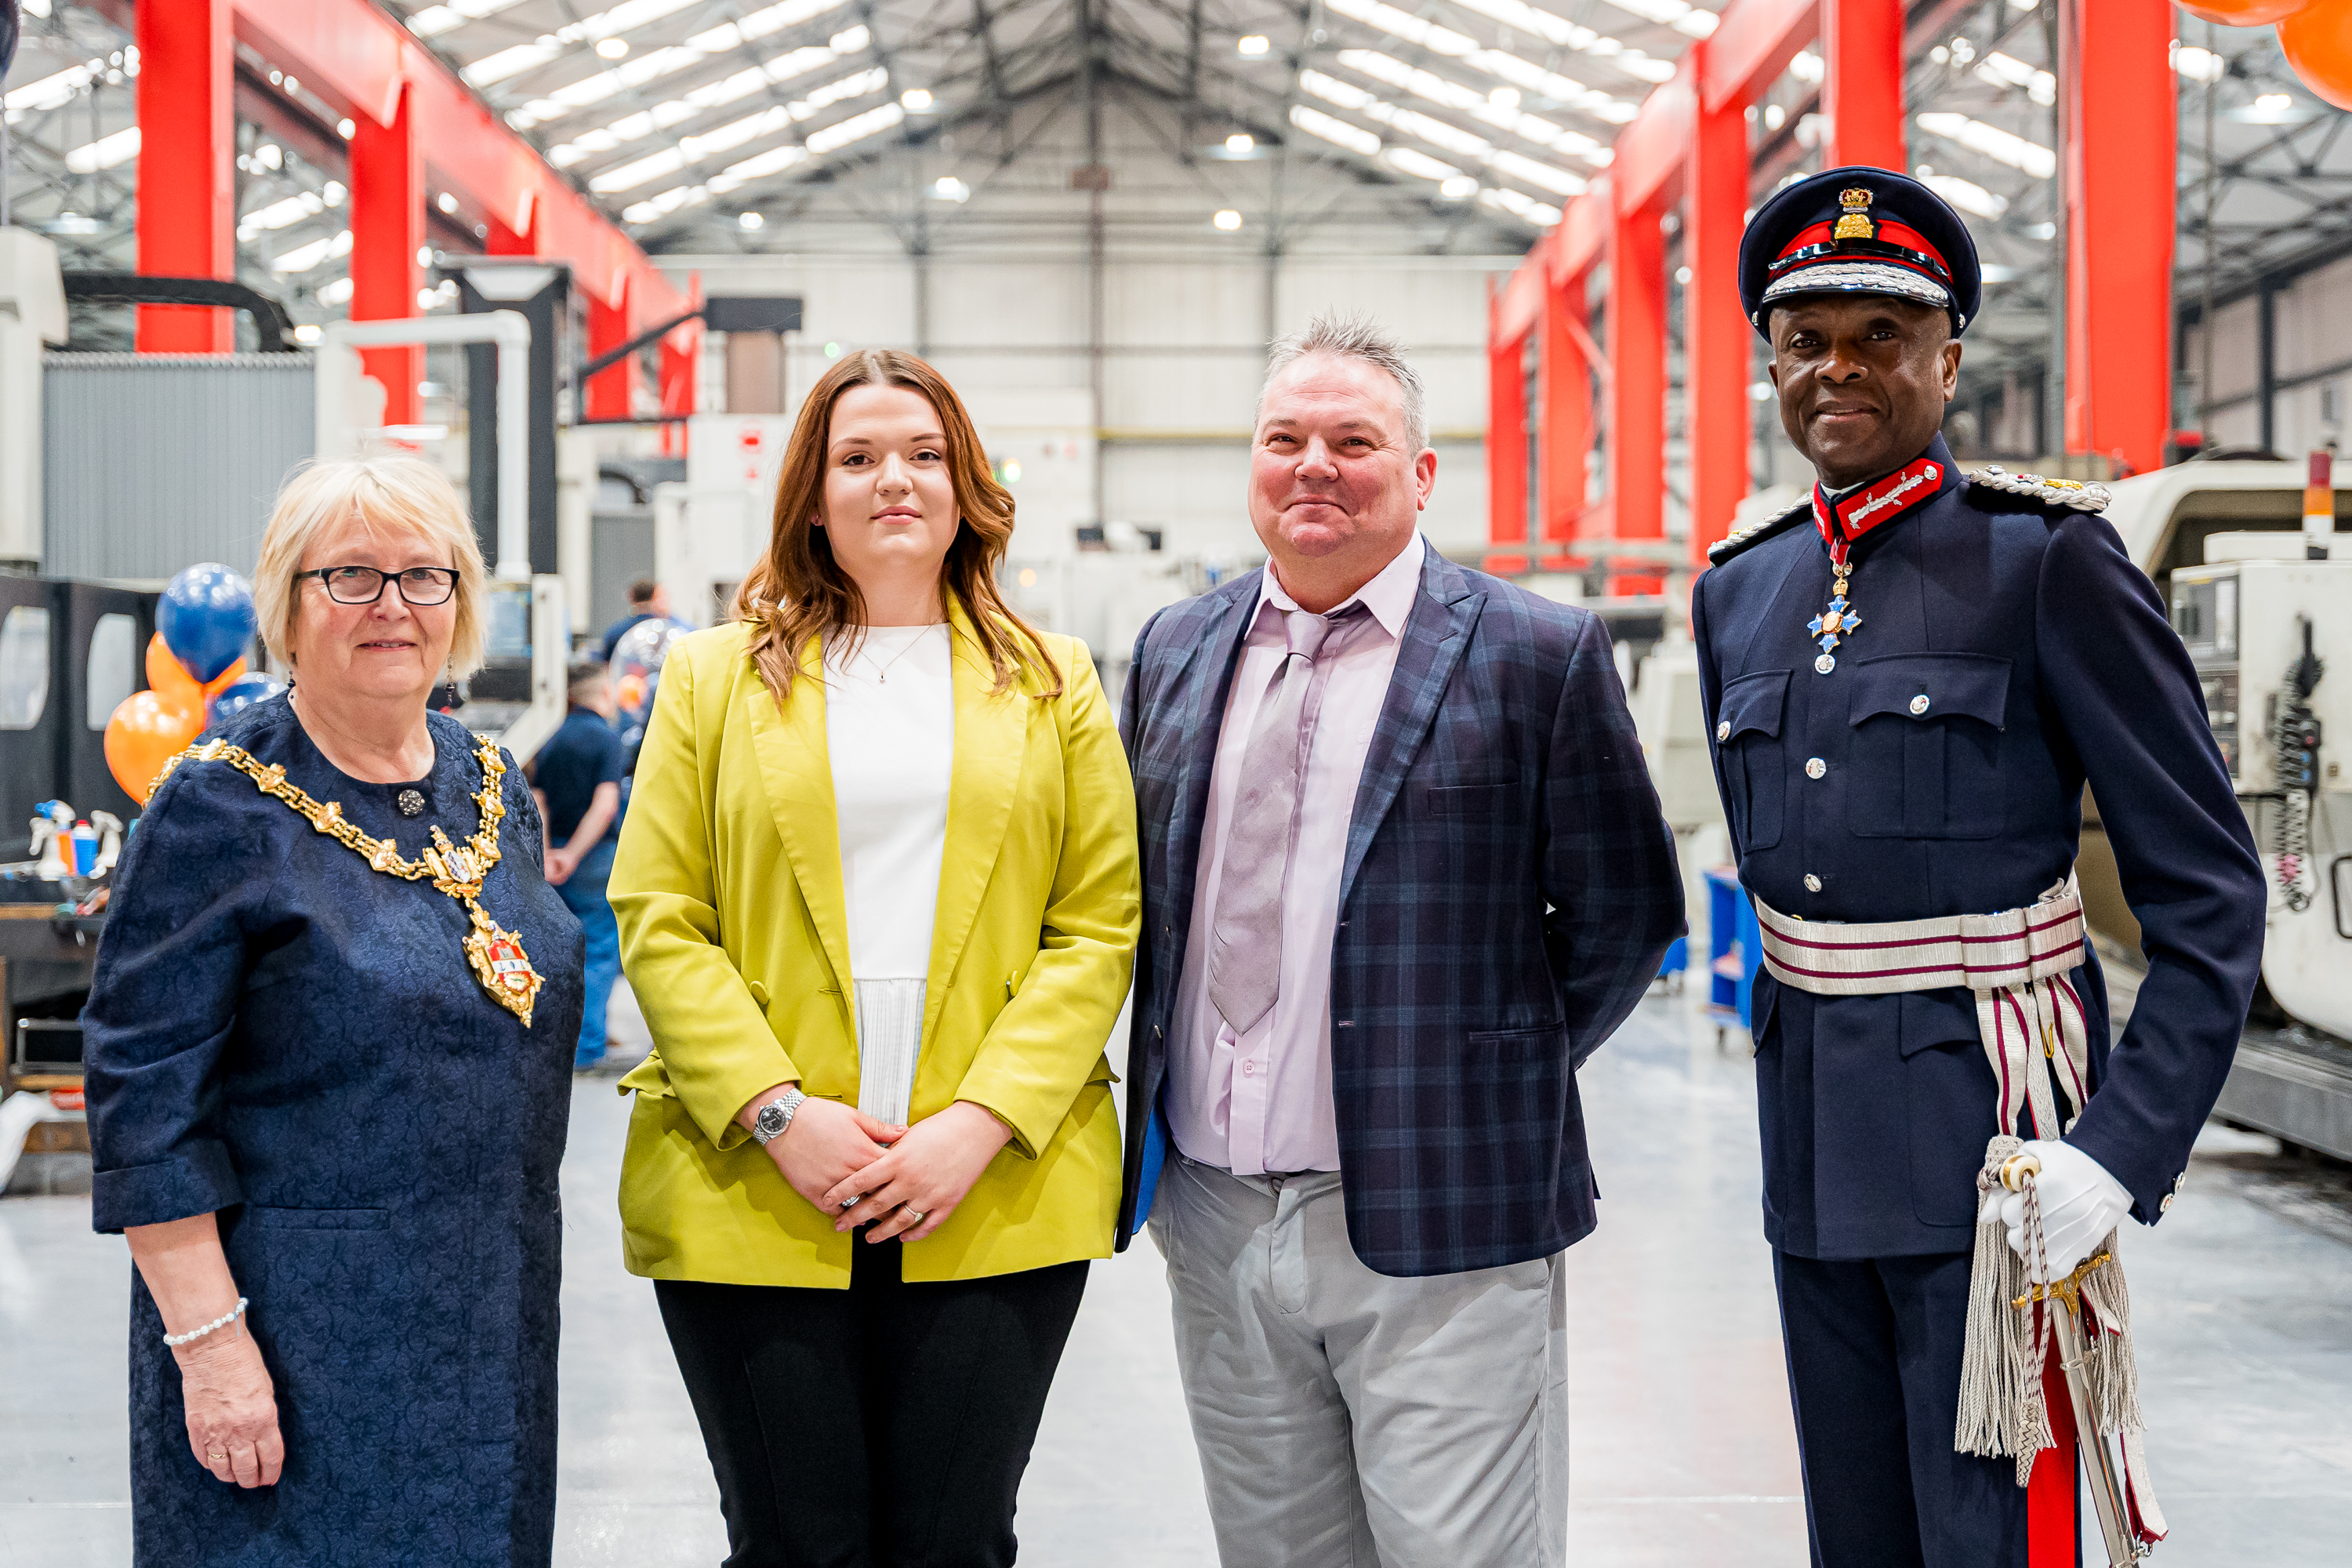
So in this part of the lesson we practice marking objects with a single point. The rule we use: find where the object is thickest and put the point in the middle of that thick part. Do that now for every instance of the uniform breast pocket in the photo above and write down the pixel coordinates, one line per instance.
(1747, 739)
(1926, 745)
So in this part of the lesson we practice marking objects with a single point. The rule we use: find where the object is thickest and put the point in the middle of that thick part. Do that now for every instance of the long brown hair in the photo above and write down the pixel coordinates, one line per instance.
(798, 590)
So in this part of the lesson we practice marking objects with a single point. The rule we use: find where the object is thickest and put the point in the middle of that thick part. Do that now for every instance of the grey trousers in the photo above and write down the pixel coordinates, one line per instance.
(1347, 1419)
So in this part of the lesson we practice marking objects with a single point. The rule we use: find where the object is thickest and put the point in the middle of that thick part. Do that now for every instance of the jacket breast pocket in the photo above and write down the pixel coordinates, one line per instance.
(1755, 770)
(1926, 745)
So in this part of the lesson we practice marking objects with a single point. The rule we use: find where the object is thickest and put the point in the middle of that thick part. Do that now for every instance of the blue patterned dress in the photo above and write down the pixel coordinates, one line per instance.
(278, 1033)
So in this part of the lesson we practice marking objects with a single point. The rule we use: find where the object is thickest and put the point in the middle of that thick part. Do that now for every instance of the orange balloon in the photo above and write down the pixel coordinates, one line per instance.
(2244, 12)
(166, 674)
(2318, 45)
(149, 730)
(218, 683)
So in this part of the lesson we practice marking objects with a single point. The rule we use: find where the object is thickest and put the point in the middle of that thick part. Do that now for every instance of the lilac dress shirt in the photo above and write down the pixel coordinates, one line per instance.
(1262, 1102)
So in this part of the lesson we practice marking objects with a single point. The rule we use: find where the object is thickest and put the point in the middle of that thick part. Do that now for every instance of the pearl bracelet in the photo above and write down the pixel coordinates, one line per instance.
(224, 1321)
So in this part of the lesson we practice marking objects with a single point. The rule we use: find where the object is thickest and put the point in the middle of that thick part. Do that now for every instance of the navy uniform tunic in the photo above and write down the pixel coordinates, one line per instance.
(2046, 659)
(279, 1034)
(2009, 652)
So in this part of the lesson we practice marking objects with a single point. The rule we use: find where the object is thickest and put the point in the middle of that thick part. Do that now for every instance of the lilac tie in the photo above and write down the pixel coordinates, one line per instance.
(1245, 934)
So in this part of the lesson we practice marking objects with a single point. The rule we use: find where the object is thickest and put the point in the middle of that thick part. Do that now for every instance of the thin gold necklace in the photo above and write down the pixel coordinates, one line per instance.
(496, 953)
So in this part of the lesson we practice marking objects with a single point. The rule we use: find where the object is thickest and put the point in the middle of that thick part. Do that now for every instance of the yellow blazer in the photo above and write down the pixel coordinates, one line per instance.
(735, 936)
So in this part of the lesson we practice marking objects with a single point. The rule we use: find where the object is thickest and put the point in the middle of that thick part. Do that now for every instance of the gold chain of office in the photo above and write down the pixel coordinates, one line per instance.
(456, 870)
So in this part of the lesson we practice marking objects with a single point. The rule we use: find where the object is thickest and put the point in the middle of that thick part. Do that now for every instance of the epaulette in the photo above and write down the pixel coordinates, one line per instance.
(1749, 535)
(2075, 493)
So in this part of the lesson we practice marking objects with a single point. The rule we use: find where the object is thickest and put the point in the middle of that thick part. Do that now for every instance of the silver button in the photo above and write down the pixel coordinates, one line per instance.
(1812, 883)
(1815, 767)
(2166, 1205)
(1823, 665)
(1723, 731)
(1919, 703)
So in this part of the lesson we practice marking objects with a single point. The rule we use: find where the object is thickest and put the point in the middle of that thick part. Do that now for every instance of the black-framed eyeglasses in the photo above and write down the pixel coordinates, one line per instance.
(364, 584)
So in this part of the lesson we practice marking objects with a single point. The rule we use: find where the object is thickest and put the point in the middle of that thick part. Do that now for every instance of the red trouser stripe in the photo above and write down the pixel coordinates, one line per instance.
(2052, 1536)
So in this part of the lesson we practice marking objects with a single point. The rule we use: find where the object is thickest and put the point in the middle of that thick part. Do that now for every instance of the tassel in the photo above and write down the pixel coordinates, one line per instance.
(2001, 1410)
(2114, 1371)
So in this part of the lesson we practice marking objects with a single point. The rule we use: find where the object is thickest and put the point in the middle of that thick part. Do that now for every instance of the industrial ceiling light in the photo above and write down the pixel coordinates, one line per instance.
(1542, 215)
(612, 48)
(2005, 70)
(1965, 195)
(736, 133)
(445, 202)
(1254, 44)
(105, 153)
(2196, 64)
(1460, 188)
(627, 17)
(574, 96)
(1338, 133)
(435, 20)
(1455, 140)
(749, 220)
(1504, 97)
(1453, 95)
(916, 100)
(948, 188)
(1228, 220)
(1241, 141)
(678, 110)
(1999, 146)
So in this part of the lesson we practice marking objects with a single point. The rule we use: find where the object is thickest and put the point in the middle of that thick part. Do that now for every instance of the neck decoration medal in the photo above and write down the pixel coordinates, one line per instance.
(1847, 519)
(455, 870)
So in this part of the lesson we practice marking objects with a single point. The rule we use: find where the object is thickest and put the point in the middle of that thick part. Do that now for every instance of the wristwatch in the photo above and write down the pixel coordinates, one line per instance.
(776, 1116)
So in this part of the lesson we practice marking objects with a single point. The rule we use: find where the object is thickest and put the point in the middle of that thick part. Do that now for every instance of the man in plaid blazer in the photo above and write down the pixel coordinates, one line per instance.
(1404, 870)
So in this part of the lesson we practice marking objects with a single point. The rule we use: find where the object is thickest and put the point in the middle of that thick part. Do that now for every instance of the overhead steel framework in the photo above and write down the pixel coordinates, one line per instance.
(407, 127)
(1686, 165)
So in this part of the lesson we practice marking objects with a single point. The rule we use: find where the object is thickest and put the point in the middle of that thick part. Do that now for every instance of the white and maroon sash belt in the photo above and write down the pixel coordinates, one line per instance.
(2019, 963)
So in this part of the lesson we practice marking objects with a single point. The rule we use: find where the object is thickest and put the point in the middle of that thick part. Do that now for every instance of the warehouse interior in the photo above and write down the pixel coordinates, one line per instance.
(588, 261)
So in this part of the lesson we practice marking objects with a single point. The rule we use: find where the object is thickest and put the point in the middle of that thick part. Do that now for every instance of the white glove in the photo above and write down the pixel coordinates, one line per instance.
(2080, 1205)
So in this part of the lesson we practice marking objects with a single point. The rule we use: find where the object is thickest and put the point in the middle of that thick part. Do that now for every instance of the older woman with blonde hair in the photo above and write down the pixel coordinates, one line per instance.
(329, 1046)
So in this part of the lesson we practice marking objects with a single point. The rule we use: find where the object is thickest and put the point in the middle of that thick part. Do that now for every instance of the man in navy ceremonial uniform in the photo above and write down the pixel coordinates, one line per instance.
(1908, 682)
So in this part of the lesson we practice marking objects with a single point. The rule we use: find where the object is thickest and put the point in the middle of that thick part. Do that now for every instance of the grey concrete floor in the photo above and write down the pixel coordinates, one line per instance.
(1682, 1448)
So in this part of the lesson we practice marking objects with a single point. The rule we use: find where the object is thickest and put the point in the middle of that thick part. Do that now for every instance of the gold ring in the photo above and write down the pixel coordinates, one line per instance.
(216, 1453)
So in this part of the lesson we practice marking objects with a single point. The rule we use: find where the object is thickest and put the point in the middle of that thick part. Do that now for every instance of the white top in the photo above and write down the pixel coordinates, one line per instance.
(1261, 1102)
(890, 727)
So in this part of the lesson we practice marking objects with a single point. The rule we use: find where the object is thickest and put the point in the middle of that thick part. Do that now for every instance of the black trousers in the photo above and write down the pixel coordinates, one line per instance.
(1874, 1374)
(886, 1426)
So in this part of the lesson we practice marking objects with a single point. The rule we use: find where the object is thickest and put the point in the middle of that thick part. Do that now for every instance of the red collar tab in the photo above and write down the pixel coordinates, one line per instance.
(1879, 502)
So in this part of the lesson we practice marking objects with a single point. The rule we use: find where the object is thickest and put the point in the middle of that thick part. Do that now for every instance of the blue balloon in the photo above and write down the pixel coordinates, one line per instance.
(11, 25)
(239, 695)
(207, 618)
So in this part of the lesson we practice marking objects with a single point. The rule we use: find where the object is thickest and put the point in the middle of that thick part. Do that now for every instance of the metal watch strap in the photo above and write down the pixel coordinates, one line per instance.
(776, 1116)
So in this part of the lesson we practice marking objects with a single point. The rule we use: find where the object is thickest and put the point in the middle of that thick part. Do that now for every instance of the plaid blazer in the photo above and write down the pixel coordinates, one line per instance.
(1509, 890)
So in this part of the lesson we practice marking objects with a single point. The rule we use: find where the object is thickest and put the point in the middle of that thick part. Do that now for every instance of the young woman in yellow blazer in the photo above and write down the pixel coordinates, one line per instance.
(878, 896)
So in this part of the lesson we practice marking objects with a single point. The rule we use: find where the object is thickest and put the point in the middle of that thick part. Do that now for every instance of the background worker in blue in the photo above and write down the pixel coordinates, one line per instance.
(1908, 682)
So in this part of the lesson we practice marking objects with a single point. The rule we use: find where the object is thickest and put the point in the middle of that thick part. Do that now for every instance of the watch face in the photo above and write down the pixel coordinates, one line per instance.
(770, 1122)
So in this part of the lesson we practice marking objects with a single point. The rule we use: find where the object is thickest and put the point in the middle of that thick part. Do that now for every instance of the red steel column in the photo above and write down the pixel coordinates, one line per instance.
(1716, 355)
(187, 152)
(612, 393)
(2119, 157)
(387, 231)
(1862, 96)
(1507, 453)
(1564, 438)
(1637, 388)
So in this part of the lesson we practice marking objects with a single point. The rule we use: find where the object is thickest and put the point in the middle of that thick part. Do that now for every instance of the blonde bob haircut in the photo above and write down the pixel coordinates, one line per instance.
(386, 495)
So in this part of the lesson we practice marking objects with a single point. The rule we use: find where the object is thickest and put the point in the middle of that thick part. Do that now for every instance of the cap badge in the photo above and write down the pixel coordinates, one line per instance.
(1855, 222)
